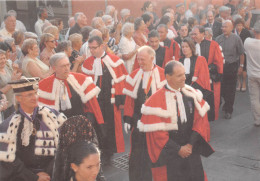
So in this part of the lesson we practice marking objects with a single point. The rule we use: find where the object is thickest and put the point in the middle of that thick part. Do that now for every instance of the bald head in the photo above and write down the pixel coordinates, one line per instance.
(227, 27)
(145, 58)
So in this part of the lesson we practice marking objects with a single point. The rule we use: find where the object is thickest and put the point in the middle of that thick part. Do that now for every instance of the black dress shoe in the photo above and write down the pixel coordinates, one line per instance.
(227, 115)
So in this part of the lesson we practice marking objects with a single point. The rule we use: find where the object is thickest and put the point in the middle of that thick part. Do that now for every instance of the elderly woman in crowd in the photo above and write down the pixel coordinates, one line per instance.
(32, 66)
(49, 43)
(127, 46)
(7, 74)
(139, 34)
(76, 42)
(243, 33)
(54, 31)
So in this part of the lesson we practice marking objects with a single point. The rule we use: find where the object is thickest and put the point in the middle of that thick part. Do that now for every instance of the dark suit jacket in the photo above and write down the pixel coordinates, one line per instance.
(216, 28)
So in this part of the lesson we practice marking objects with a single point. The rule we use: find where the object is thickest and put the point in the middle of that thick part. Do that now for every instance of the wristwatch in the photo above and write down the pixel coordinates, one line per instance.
(241, 65)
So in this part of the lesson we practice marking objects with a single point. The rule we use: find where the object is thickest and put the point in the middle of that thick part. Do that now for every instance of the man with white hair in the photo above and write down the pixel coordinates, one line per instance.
(140, 85)
(80, 21)
(42, 18)
(124, 13)
(68, 92)
(97, 23)
(71, 23)
(233, 51)
(19, 25)
(224, 13)
(10, 23)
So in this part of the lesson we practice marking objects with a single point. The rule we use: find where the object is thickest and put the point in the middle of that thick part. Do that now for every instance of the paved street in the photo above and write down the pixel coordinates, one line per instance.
(237, 146)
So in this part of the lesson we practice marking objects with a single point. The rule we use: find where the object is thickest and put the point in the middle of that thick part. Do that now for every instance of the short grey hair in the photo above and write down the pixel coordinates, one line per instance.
(127, 28)
(56, 58)
(106, 17)
(109, 9)
(227, 21)
(28, 35)
(76, 16)
(148, 49)
(124, 12)
(95, 32)
(2, 52)
(9, 41)
(223, 8)
(62, 46)
(209, 30)
(95, 21)
(12, 12)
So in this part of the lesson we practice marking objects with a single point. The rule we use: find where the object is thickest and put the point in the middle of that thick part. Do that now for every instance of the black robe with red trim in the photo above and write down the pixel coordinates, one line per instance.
(110, 98)
(139, 167)
(199, 79)
(165, 134)
(213, 54)
(174, 49)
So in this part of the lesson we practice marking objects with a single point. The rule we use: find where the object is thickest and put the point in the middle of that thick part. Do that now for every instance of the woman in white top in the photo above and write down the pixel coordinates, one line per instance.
(32, 66)
(127, 46)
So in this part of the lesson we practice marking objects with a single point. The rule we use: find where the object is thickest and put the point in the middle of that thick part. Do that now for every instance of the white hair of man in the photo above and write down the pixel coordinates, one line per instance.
(227, 21)
(77, 15)
(106, 18)
(12, 12)
(56, 58)
(70, 21)
(110, 9)
(209, 30)
(9, 41)
(127, 28)
(96, 21)
(223, 9)
(95, 32)
(148, 50)
(124, 12)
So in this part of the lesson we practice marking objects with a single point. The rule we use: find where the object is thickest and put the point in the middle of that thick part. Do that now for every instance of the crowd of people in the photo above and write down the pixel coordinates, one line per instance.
(66, 99)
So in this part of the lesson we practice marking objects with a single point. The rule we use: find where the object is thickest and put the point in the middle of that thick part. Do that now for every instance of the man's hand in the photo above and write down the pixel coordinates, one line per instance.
(127, 127)
(43, 176)
(185, 151)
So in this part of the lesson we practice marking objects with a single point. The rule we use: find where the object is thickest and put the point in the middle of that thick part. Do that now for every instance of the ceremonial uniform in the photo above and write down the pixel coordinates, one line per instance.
(197, 76)
(174, 49)
(139, 86)
(28, 144)
(172, 119)
(212, 52)
(74, 96)
(109, 73)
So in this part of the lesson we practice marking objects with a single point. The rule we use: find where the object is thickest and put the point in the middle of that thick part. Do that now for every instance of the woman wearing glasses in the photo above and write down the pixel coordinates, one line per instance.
(49, 42)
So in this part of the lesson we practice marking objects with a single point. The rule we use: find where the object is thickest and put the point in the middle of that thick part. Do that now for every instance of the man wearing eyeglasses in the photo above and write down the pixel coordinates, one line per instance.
(70, 93)
(109, 73)
(29, 137)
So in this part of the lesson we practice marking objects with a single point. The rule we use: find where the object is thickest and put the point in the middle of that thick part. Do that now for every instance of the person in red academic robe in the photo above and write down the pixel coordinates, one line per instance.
(140, 85)
(172, 45)
(197, 73)
(64, 91)
(109, 73)
(213, 55)
(177, 129)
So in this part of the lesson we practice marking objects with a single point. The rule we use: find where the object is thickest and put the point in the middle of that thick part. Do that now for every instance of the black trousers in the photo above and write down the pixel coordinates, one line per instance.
(228, 85)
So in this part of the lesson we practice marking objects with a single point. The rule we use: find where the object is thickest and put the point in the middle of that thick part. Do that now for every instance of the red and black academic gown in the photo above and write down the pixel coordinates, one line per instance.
(174, 49)
(79, 89)
(213, 54)
(110, 98)
(139, 169)
(165, 134)
(199, 78)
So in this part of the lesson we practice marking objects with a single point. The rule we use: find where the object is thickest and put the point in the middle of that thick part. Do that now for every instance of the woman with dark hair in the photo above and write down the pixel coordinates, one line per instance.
(75, 129)
(148, 7)
(243, 33)
(197, 72)
(84, 159)
(139, 35)
(148, 21)
(191, 23)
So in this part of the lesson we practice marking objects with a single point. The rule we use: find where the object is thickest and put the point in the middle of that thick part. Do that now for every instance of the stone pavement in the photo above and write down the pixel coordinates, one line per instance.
(236, 143)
